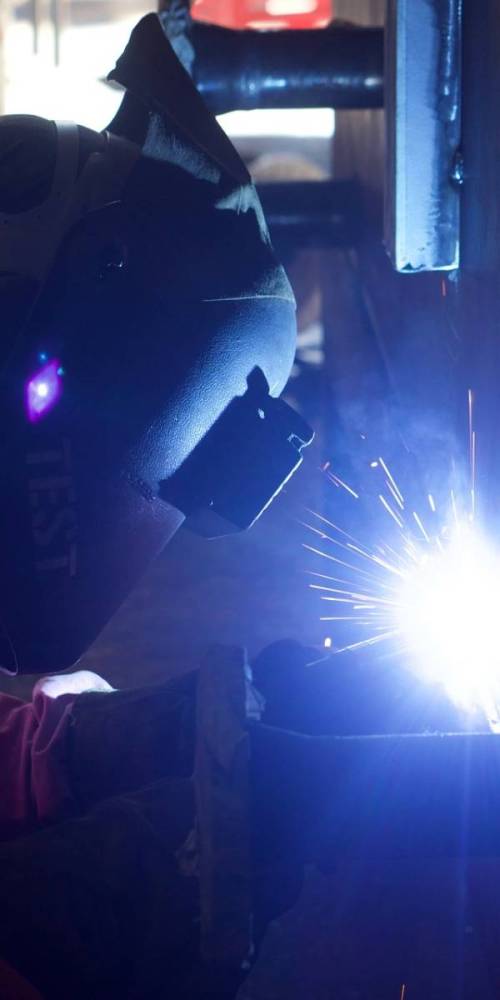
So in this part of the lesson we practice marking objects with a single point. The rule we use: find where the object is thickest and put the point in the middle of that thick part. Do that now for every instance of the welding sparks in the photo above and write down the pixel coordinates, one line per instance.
(392, 484)
(390, 511)
(432, 591)
(420, 525)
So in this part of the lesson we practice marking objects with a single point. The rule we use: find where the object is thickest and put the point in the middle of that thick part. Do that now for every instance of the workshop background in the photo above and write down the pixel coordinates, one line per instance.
(372, 343)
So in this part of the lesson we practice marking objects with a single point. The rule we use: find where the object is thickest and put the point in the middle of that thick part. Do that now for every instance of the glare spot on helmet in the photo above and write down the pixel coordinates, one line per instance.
(42, 391)
(261, 413)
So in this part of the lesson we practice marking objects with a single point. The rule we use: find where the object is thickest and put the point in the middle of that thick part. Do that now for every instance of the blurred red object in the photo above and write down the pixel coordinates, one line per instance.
(265, 14)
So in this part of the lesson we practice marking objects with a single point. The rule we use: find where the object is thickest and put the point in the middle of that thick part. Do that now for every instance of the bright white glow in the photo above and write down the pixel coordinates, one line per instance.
(328, 642)
(77, 683)
(42, 390)
(427, 588)
(448, 613)
(75, 90)
(301, 122)
(282, 8)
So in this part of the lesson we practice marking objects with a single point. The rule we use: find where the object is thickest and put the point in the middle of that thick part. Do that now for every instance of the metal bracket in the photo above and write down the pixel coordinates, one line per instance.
(423, 164)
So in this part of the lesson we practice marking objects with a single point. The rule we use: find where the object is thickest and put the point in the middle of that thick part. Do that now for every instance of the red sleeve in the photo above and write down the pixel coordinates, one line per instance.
(32, 744)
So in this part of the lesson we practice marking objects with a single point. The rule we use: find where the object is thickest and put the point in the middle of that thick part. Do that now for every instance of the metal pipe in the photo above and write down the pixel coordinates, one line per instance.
(337, 67)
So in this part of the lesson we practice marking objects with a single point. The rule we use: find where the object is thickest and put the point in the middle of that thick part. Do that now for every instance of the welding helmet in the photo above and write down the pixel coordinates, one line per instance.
(148, 331)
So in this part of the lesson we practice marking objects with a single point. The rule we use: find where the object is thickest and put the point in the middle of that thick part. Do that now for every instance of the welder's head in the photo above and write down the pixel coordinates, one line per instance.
(147, 331)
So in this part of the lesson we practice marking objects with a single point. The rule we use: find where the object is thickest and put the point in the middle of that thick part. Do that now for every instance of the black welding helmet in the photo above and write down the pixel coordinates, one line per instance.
(148, 331)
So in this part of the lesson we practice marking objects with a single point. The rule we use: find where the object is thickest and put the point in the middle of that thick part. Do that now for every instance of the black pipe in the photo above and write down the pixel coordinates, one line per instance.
(337, 67)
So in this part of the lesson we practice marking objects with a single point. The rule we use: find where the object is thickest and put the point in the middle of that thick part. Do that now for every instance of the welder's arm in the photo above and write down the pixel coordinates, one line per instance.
(78, 741)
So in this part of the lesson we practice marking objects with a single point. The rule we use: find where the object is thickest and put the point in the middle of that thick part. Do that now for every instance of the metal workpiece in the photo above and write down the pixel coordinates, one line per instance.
(335, 67)
(423, 125)
(418, 795)
(384, 796)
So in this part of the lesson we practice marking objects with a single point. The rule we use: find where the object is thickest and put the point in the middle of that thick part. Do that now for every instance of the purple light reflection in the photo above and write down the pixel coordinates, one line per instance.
(43, 390)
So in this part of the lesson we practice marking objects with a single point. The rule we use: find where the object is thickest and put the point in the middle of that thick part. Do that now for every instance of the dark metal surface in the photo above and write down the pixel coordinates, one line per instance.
(379, 796)
(311, 213)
